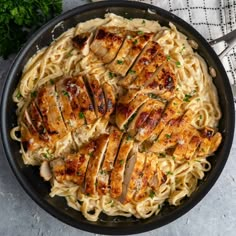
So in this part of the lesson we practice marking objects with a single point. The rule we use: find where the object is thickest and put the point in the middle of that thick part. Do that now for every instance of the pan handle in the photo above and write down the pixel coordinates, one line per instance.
(230, 39)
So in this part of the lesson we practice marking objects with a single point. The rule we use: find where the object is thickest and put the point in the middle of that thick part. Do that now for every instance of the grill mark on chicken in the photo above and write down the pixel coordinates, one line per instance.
(131, 48)
(133, 177)
(148, 173)
(109, 98)
(37, 121)
(66, 109)
(117, 174)
(46, 102)
(87, 108)
(109, 159)
(98, 96)
(151, 122)
(82, 42)
(125, 111)
(152, 54)
(94, 164)
(107, 42)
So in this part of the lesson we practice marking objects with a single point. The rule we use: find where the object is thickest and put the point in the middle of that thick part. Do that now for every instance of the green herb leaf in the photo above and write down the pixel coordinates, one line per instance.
(120, 62)
(162, 154)
(121, 162)
(65, 93)
(18, 95)
(178, 64)
(111, 75)
(168, 58)
(168, 135)
(81, 115)
(52, 81)
(132, 71)
(187, 97)
(152, 194)
(128, 137)
(153, 95)
(140, 32)
(169, 173)
(135, 41)
(34, 94)
(19, 19)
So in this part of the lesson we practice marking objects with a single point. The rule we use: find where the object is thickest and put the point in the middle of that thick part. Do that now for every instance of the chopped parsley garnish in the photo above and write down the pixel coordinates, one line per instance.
(143, 22)
(121, 162)
(200, 117)
(128, 137)
(153, 95)
(52, 81)
(131, 18)
(132, 71)
(140, 32)
(182, 49)
(91, 154)
(120, 62)
(135, 41)
(168, 135)
(152, 194)
(168, 58)
(65, 93)
(198, 99)
(187, 97)
(169, 173)
(69, 54)
(18, 95)
(79, 173)
(178, 64)
(162, 154)
(81, 115)
(111, 75)
(34, 94)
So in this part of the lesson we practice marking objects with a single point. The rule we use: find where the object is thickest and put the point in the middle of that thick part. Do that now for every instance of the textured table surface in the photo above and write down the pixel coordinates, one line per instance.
(19, 215)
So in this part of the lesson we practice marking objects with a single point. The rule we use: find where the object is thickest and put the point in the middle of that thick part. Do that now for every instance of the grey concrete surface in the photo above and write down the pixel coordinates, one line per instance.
(20, 216)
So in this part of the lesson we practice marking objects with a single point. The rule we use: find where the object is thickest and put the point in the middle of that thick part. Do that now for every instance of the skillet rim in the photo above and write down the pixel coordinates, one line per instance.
(91, 227)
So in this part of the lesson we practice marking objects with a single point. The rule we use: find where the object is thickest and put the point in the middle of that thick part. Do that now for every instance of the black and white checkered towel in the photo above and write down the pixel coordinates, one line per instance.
(212, 18)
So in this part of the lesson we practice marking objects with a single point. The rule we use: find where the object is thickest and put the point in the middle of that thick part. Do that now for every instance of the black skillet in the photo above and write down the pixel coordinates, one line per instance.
(29, 176)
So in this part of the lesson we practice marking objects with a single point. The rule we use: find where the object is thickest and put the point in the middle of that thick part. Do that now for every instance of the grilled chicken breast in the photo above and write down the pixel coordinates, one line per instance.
(131, 48)
(150, 58)
(107, 42)
(117, 174)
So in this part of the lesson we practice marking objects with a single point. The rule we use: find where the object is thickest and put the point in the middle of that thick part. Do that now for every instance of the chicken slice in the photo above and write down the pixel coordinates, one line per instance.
(107, 42)
(68, 91)
(82, 42)
(109, 159)
(172, 111)
(187, 143)
(117, 174)
(151, 122)
(86, 105)
(151, 55)
(210, 142)
(34, 121)
(124, 111)
(132, 176)
(142, 114)
(110, 98)
(95, 163)
(173, 131)
(46, 100)
(62, 89)
(98, 96)
(148, 173)
(163, 82)
(131, 48)
(73, 167)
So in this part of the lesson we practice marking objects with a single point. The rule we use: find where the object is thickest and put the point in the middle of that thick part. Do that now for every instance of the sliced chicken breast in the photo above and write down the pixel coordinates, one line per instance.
(131, 48)
(132, 177)
(117, 174)
(125, 111)
(110, 98)
(98, 96)
(107, 42)
(94, 164)
(109, 159)
(151, 122)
